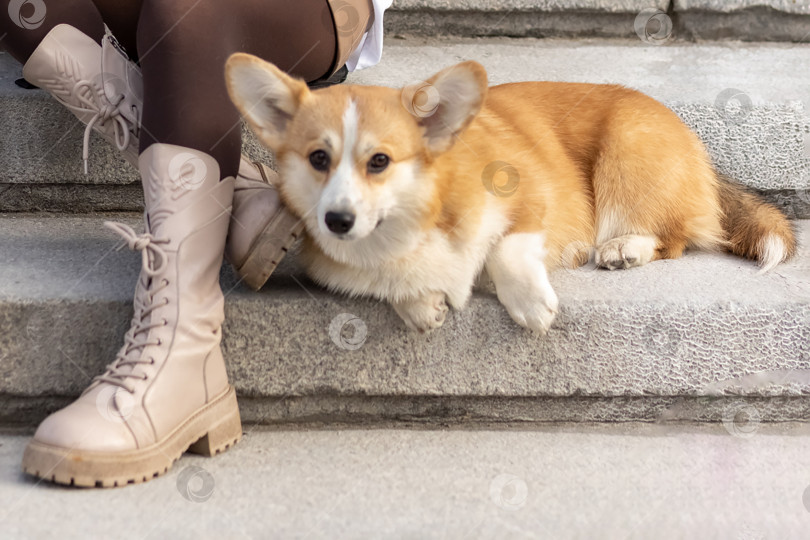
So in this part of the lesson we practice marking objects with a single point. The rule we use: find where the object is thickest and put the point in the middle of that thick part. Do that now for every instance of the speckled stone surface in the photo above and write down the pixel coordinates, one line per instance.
(684, 328)
(606, 6)
(750, 20)
(799, 7)
(517, 18)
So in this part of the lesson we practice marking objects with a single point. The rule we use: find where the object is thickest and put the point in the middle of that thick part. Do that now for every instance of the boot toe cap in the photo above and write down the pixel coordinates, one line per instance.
(85, 426)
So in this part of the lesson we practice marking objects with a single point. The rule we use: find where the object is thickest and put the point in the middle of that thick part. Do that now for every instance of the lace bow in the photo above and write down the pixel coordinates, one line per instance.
(103, 111)
(153, 256)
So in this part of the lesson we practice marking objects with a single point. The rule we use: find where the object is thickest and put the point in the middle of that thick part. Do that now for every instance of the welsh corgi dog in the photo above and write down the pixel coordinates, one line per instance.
(409, 194)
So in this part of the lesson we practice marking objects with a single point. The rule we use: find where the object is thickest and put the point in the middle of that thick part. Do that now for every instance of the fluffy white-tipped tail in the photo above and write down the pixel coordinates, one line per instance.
(755, 229)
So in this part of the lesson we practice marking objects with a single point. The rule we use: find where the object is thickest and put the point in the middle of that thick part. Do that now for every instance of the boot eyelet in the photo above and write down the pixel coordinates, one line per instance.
(165, 282)
(151, 361)
(166, 302)
(165, 322)
(144, 376)
(159, 342)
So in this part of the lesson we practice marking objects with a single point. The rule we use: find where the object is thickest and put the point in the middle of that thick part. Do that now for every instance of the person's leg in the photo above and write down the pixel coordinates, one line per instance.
(23, 25)
(183, 46)
(122, 19)
(167, 389)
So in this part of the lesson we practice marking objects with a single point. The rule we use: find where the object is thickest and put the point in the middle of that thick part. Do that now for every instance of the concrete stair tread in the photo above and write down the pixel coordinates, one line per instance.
(46, 258)
(568, 482)
(675, 74)
(679, 75)
(643, 337)
(765, 144)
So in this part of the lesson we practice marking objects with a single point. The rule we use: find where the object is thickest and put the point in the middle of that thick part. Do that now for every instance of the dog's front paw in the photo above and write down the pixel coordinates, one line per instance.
(423, 314)
(532, 307)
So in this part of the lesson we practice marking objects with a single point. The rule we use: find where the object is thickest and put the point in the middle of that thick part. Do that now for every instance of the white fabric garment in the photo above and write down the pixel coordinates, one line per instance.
(370, 50)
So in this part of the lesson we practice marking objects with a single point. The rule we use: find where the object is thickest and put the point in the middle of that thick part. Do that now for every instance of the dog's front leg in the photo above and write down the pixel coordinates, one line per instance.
(424, 313)
(516, 266)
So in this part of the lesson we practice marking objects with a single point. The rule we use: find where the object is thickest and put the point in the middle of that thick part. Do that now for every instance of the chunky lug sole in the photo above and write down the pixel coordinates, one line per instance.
(269, 248)
(211, 430)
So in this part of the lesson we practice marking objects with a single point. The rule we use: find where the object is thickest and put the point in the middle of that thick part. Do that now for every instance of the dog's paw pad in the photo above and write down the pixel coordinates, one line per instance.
(441, 310)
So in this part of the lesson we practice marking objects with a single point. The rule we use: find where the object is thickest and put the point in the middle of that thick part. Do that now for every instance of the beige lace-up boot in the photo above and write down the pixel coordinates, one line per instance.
(167, 390)
(104, 89)
(262, 230)
(98, 84)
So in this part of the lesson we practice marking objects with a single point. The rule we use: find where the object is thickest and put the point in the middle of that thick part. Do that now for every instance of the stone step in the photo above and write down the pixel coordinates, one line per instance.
(691, 339)
(658, 20)
(573, 482)
(748, 102)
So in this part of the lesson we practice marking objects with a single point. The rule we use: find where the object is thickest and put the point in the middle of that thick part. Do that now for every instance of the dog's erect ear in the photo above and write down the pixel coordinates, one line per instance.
(447, 102)
(266, 97)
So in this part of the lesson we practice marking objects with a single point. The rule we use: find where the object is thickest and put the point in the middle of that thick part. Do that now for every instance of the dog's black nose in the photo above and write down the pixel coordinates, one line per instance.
(339, 222)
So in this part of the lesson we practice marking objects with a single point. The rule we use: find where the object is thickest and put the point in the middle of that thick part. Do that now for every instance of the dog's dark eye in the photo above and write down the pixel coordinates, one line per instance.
(378, 163)
(319, 160)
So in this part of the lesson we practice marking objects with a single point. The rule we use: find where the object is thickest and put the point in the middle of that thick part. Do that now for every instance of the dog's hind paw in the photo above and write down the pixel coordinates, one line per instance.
(423, 314)
(626, 252)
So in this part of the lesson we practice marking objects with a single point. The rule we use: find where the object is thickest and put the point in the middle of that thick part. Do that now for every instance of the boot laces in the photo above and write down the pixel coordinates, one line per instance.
(94, 101)
(136, 339)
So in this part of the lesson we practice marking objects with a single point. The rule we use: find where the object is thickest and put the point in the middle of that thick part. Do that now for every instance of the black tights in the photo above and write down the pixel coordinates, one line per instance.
(182, 46)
